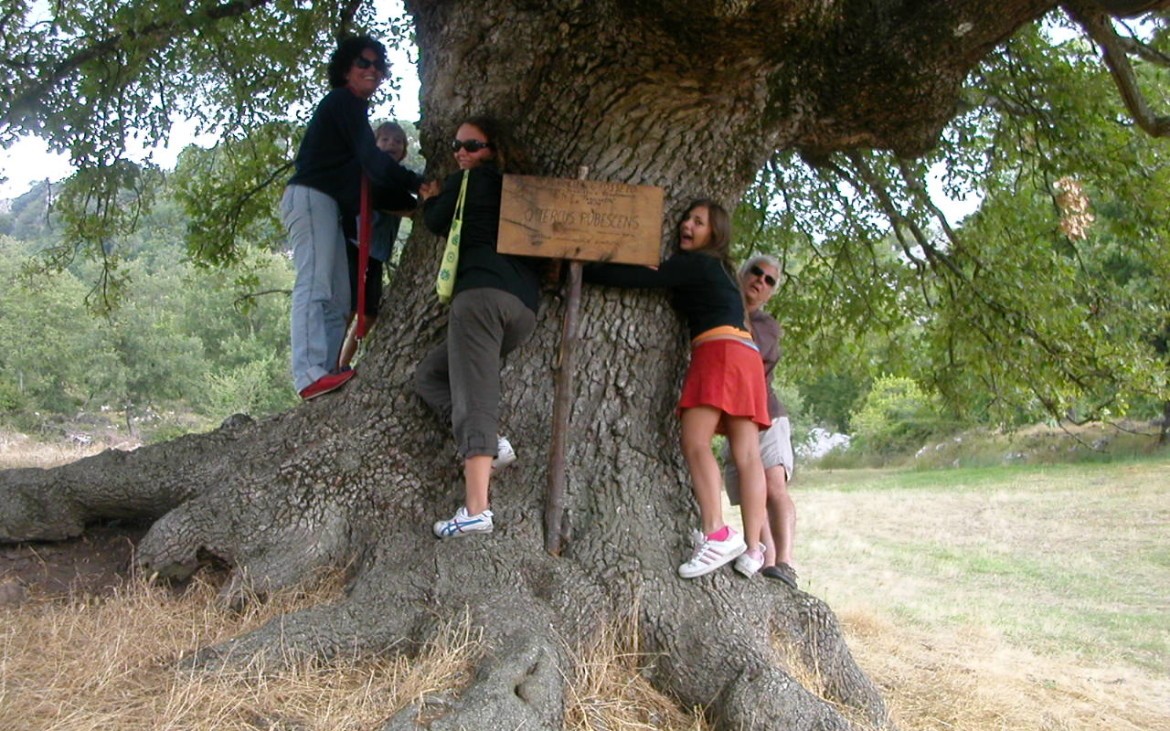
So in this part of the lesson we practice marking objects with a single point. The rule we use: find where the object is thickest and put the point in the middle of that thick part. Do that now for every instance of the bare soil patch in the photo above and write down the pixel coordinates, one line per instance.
(92, 564)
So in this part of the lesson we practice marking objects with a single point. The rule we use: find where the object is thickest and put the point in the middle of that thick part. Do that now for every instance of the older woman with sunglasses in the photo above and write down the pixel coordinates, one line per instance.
(758, 278)
(322, 198)
(493, 312)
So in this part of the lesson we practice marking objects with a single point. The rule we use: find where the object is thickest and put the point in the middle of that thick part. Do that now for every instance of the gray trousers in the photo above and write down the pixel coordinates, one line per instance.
(460, 379)
(320, 296)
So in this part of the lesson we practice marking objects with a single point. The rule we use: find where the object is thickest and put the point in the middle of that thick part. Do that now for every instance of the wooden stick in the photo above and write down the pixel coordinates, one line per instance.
(555, 533)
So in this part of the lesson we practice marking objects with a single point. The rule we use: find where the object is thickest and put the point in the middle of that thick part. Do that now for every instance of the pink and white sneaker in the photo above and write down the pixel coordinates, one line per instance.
(710, 555)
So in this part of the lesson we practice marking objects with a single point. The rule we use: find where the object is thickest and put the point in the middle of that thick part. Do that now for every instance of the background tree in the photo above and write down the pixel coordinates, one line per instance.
(691, 95)
(1035, 305)
(181, 336)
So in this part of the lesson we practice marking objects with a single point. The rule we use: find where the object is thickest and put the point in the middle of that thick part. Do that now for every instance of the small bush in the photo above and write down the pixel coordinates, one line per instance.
(258, 387)
(895, 417)
(11, 399)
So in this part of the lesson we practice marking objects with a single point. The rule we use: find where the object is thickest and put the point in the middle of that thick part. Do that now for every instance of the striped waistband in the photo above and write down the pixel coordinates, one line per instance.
(725, 332)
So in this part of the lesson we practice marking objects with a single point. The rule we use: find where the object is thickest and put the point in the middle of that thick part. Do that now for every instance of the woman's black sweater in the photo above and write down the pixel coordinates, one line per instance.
(480, 265)
(338, 145)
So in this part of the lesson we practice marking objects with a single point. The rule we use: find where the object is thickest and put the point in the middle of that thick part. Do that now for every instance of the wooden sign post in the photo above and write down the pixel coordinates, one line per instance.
(579, 220)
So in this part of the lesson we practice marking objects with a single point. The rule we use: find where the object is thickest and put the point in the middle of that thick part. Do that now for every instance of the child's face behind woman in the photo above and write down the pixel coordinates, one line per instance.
(392, 143)
(694, 232)
(465, 158)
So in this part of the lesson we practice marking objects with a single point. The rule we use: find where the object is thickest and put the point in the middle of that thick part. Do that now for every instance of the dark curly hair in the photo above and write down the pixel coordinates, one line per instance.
(509, 156)
(348, 50)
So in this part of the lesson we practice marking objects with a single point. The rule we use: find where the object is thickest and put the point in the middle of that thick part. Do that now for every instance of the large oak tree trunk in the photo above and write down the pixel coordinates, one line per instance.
(690, 96)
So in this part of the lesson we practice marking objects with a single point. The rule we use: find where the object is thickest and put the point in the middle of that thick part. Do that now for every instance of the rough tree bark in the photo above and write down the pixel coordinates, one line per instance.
(688, 95)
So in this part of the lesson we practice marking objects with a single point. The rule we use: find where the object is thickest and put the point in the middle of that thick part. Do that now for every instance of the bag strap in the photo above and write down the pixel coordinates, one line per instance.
(445, 282)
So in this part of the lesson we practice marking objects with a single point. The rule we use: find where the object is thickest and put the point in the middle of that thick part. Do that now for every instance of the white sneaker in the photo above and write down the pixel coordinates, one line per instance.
(461, 524)
(505, 454)
(710, 555)
(749, 562)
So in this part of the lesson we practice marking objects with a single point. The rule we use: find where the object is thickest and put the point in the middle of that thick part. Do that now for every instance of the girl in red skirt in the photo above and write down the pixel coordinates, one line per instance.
(724, 391)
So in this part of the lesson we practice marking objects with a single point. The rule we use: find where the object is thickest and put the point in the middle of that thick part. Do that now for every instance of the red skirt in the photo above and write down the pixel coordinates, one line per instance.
(728, 375)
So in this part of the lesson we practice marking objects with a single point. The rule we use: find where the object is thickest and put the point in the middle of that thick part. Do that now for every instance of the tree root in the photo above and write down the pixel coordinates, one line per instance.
(518, 683)
(140, 485)
(326, 502)
(715, 655)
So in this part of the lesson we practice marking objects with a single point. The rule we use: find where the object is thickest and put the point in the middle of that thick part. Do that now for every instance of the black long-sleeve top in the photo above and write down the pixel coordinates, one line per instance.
(480, 265)
(701, 289)
(338, 145)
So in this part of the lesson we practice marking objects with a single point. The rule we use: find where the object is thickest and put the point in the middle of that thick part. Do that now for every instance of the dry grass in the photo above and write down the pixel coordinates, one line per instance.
(607, 691)
(1001, 599)
(91, 665)
(111, 664)
(973, 680)
(18, 450)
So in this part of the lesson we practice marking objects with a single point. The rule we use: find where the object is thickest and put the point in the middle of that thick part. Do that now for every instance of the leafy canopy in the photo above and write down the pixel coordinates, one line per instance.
(1028, 305)
(1050, 299)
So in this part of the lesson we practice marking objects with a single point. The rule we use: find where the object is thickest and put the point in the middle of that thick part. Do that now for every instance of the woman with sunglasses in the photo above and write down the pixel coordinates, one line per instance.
(758, 279)
(493, 312)
(323, 199)
(724, 390)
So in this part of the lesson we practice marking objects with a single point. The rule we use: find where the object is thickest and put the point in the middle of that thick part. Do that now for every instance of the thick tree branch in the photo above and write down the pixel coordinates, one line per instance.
(1096, 23)
(1144, 51)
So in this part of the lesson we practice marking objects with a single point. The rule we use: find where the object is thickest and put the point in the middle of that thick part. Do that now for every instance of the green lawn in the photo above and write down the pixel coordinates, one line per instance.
(1066, 560)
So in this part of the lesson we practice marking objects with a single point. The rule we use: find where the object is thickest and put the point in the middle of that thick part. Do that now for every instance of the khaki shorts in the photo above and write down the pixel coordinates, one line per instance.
(775, 451)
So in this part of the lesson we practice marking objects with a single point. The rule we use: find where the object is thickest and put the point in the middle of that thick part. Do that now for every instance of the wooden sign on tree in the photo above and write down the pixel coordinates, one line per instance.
(581, 220)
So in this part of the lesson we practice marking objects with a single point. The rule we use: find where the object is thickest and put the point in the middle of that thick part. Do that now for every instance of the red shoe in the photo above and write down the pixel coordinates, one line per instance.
(325, 384)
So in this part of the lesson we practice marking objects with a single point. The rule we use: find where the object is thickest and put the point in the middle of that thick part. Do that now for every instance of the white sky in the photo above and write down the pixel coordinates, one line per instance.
(30, 161)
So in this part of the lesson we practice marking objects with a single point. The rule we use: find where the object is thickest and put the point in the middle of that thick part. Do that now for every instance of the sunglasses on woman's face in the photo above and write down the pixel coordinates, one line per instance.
(469, 145)
(758, 272)
(364, 63)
